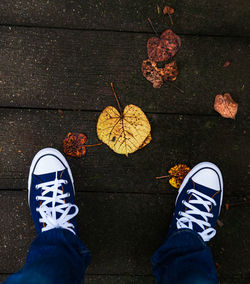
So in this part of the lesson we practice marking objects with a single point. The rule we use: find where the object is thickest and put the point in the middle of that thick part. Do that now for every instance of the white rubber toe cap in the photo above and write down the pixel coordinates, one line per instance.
(48, 164)
(208, 178)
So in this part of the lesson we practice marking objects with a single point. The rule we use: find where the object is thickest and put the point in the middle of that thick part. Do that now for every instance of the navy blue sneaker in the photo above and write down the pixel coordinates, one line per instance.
(199, 200)
(51, 192)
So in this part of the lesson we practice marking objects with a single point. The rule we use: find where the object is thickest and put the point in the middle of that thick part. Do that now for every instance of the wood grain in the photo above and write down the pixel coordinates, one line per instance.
(50, 68)
(225, 17)
(175, 139)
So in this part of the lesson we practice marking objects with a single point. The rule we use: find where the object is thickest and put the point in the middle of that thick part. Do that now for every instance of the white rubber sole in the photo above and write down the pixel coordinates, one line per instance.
(43, 152)
(196, 169)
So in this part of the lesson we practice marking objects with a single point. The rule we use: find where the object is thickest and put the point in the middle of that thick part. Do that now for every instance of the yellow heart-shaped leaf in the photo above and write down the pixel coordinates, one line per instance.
(124, 132)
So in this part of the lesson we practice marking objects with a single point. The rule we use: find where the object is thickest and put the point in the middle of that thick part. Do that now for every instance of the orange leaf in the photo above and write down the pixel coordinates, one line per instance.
(226, 64)
(73, 144)
(178, 173)
(168, 10)
(152, 73)
(170, 71)
(226, 106)
(157, 75)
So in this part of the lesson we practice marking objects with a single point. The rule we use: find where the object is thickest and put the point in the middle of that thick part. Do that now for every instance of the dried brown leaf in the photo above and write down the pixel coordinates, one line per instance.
(168, 10)
(157, 75)
(152, 73)
(170, 71)
(226, 64)
(73, 144)
(163, 48)
(225, 106)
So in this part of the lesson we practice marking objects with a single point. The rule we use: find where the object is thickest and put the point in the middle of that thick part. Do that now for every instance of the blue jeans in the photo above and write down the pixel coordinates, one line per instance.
(55, 256)
(58, 256)
(184, 258)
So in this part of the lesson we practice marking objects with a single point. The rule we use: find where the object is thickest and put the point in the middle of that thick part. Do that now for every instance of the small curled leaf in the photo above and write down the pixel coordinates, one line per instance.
(178, 173)
(225, 106)
(73, 144)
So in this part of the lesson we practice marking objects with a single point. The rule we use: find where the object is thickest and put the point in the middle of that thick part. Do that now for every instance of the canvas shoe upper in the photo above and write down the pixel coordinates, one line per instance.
(51, 192)
(199, 201)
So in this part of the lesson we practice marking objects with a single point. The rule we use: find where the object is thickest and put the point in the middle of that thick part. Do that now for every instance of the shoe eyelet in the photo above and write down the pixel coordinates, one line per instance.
(37, 209)
(37, 198)
(68, 194)
(66, 182)
(182, 201)
(179, 213)
(36, 187)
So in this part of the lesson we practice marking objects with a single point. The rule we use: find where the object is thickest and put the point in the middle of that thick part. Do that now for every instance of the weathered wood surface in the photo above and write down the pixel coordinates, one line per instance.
(63, 55)
(186, 139)
(225, 17)
(122, 231)
(50, 68)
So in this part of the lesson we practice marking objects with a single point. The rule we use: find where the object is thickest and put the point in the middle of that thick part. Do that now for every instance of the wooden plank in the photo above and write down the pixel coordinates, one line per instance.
(122, 231)
(186, 139)
(49, 68)
(229, 17)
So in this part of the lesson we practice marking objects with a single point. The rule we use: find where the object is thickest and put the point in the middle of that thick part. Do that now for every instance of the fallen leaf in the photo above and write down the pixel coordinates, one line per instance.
(226, 64)
(163, 48)
(146, 141)
(226, 106)
(152, 73)
(168, 10)
(157, 75)
(178, 173)
(124, 132)
(170, 71)
(73, 144)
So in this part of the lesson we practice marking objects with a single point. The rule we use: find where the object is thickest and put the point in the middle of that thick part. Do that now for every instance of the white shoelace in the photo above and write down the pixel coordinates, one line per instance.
(187, 220)
(48, 214)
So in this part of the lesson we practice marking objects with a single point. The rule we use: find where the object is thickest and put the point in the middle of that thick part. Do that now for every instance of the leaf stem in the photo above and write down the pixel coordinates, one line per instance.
(151, 24)
(93, 145)
(172, 23)
(118, 103)
(163, 177)
(173, 85)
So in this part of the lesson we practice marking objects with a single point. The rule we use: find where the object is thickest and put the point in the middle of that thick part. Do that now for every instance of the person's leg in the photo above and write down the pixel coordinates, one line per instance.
(57, 255)
(184, 257)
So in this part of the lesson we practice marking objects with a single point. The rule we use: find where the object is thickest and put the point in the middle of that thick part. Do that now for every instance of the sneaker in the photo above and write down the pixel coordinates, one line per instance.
(199, 200)
(51, 192)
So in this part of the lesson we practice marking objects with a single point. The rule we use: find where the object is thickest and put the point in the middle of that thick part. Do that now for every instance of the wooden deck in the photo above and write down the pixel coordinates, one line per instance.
(63, 55)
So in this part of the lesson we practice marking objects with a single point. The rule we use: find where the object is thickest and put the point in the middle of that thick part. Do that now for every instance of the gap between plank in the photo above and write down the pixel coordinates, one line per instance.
(117, 31)
(99, 111)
